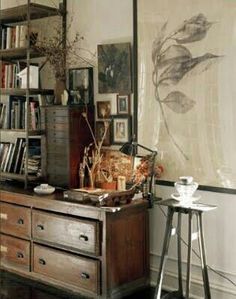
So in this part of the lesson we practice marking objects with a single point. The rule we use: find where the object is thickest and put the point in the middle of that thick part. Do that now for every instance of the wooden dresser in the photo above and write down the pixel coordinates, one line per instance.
(97, 252)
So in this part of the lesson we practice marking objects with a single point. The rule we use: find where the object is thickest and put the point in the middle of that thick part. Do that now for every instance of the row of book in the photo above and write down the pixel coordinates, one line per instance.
(16, 36)
(9, 78)
(12, 157)
(12, 114)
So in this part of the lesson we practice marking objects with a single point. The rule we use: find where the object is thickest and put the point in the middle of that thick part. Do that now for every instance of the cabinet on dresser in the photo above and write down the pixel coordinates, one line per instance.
(66, 136)
(97, 252)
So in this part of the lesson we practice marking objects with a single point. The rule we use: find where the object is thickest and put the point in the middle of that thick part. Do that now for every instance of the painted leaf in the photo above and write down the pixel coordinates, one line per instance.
(175, 72)
(179, 102)
(157, 43)
(192, 30)
(174, 54)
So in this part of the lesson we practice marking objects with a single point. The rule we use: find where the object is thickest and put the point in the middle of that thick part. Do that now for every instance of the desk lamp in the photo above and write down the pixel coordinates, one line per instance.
(131, 149)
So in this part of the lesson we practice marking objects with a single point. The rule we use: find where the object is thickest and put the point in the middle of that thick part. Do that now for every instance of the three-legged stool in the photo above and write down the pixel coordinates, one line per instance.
(190, 209)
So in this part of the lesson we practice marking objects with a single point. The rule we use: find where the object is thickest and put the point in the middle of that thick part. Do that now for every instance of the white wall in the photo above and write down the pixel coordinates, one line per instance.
(100, 22)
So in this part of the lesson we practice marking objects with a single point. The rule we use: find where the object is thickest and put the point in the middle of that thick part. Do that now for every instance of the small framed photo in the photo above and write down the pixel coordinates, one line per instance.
(103, 109)
(100, 129)
(81, 86)
(121, 129)
(123, 104)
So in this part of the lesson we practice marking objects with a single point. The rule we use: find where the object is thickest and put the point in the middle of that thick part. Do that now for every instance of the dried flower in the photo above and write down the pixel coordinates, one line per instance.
(144, 170)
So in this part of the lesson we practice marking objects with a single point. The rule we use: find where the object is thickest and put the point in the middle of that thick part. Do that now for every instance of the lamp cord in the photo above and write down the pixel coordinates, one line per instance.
(194, 251)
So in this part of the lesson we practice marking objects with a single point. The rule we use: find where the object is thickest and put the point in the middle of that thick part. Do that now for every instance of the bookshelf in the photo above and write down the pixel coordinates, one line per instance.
(22, 138)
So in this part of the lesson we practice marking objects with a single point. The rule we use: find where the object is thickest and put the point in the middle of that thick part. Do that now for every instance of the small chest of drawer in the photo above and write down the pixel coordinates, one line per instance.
(15, 220)
(77, 234)
(14, 252)
(68, 268)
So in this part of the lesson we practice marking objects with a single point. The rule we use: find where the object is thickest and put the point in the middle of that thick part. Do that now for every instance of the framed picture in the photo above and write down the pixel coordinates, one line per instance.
(103, 109)
(123, 104)
(114, 68)
(100, 129)
(81, 86)
(121, 129)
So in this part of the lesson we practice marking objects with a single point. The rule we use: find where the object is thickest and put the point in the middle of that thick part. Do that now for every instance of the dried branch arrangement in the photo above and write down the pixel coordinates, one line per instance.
(93, 156)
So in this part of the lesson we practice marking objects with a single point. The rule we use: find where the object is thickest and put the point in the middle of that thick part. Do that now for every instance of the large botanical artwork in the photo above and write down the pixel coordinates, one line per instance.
(172, 61)
(186, 66)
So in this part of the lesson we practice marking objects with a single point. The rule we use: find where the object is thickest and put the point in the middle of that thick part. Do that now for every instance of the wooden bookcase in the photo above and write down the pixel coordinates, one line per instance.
(10, 55)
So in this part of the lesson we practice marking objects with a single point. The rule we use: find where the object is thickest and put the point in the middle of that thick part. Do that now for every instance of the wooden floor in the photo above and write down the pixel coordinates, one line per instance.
(14, 287)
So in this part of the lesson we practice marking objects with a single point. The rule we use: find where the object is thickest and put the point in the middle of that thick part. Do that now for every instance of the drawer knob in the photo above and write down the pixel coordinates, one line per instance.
(42, 262)
(40, 227)
(20, 255)
(20, 221)
(83, 237)
(84, 275)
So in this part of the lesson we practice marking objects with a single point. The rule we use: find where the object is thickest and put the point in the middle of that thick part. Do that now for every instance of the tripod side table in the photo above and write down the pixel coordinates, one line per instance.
(190, 209)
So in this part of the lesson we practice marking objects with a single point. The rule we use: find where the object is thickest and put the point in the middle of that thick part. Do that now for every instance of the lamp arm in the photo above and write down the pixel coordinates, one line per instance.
(146, 148)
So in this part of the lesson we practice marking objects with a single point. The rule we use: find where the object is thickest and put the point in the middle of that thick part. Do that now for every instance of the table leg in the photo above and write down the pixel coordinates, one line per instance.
(164, 253)
(188, 281)
(203, 257)
(179, 254)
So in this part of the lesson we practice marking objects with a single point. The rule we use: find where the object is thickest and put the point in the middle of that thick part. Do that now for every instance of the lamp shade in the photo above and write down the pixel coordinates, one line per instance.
(129, 148)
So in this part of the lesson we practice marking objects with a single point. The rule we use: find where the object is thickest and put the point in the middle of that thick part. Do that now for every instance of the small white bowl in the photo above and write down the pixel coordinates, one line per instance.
(44, 189)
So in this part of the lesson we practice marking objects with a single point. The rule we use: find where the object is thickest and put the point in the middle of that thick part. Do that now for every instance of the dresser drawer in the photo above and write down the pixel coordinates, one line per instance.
(54, 134)
(54, 112)
(81, 235)
(53, 126)
(14, 252)
(68, 268)
(15, 220)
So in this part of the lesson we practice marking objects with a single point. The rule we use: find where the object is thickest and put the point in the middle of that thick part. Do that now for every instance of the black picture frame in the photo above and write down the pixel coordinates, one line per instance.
(123, 104)
(80, 86)
(121, 129)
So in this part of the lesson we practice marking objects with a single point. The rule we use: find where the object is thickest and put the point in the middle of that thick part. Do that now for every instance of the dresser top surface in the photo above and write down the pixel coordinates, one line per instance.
(18, 195)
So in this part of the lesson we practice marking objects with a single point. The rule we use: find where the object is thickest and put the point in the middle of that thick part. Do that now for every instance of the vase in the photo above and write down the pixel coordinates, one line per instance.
(108, 185)
(59, 88)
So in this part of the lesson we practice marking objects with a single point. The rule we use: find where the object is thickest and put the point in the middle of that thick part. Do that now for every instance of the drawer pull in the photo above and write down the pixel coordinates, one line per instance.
(40, 227)
(83, 238)
(42, 262)
(20, 221)
(84, 275)
(3, 216)
(20, 255)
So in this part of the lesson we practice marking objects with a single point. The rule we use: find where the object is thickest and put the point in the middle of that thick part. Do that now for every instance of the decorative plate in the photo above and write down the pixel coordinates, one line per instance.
(44, 189)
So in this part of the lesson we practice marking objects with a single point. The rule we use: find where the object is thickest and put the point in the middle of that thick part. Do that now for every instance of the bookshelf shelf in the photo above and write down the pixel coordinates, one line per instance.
(17, 53)
(18, 177)
(22, 132)
(19, 13)
(22, 91)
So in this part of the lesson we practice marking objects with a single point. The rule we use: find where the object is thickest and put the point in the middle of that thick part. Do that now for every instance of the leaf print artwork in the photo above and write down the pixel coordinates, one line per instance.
(173, 61)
